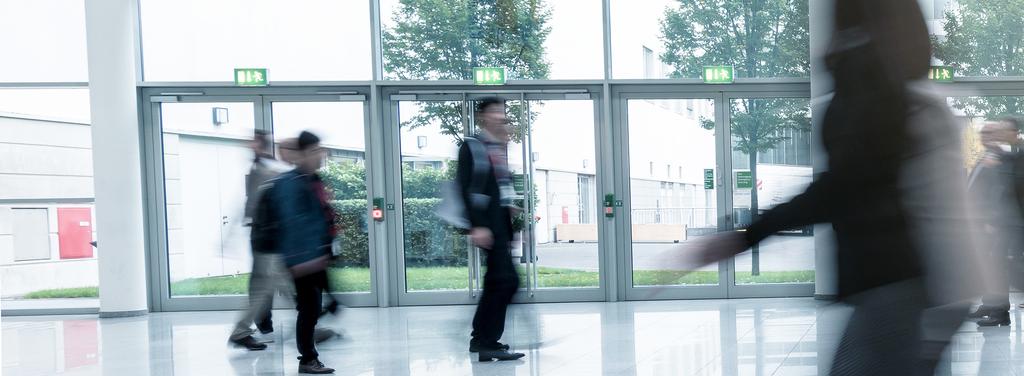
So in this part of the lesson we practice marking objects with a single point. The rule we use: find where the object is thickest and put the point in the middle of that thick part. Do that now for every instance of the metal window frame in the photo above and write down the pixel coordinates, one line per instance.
(612, 159)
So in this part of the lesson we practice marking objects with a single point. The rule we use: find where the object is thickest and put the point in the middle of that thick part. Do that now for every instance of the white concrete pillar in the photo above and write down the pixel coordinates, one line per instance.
(110, 33)
(821, 87)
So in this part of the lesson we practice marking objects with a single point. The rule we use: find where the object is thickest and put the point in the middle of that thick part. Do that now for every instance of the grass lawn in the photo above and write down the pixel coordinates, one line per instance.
(447, 278)
(74, 292)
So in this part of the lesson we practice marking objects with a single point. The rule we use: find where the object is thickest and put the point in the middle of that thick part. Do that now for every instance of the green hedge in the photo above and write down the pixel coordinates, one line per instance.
(428, 242)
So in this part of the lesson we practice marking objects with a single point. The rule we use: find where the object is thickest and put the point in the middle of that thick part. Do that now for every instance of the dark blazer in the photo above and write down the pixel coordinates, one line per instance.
(304, 232)
(874, 131)
(493, 215)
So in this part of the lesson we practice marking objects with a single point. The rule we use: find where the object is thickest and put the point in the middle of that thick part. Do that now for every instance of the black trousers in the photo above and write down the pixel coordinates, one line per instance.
(309, 301)
(997, 297)
(500, 283)
(263, 319)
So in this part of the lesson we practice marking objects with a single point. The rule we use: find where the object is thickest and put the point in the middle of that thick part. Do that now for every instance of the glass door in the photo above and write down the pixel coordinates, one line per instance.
(340, 122)
(200, 155)
(201, 149)
(770, 142)
(553, 161)
(675, 190)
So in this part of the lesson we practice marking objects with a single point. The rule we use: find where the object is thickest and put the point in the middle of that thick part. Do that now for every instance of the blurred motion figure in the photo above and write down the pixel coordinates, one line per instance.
(894, 192)
(995, 185)
(267, 275)
(305, 231)
(490, 214)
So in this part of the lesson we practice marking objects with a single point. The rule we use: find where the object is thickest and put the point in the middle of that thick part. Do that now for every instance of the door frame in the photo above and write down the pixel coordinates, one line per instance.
(151, 100)
(391, 99)
(722, 95)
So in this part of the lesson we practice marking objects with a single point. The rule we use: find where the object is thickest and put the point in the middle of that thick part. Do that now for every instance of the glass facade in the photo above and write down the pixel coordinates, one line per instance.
(623, 154)
(197, 40)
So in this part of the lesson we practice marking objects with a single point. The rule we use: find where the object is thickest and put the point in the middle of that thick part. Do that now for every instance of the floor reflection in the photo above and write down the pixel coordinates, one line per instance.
(738, 337)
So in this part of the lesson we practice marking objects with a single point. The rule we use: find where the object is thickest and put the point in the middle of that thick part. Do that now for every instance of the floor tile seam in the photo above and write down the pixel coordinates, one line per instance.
(790, 352)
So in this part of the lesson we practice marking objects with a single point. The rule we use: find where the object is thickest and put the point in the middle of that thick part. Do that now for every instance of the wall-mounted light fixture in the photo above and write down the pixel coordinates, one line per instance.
(220, 116)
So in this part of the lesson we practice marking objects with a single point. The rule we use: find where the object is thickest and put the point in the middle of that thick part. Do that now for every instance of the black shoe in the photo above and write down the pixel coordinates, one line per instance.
(266, 331)
(979, 313)
(250, 343)
(314, 367)
(475, 347)
(492, 354)
(996, 320)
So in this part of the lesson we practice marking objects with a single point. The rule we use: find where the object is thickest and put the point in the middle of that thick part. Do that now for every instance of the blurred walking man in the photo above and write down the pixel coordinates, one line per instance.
(490, 214)
(994, 186)
(301, 205)
(267, 275)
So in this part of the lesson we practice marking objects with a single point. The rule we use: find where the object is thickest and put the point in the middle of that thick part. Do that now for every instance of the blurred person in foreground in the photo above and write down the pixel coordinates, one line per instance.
(995, 185)
(306, 231)
(490, 214)
(894, 192)
(268, 273)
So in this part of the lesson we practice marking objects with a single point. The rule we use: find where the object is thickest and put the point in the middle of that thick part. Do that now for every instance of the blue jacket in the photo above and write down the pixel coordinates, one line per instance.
(304, 232)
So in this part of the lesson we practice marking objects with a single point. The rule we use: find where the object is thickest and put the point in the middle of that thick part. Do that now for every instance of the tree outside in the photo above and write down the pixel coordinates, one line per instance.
(760, 39)
(446, 39)
(984, 38)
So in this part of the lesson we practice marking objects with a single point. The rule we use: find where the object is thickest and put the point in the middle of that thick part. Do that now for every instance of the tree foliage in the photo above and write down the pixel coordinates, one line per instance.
(446, 39)
(760, 39)
(984, 38)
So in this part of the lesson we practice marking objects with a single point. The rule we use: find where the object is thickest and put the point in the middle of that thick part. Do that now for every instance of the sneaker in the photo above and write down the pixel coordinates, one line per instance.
(314, 367)
(265, 337)
(250, 343)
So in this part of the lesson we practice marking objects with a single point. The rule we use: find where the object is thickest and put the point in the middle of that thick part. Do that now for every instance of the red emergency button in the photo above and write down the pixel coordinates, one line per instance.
(378, 214)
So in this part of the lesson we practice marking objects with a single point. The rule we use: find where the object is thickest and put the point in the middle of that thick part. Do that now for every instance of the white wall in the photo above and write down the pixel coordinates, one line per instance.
(42, 162)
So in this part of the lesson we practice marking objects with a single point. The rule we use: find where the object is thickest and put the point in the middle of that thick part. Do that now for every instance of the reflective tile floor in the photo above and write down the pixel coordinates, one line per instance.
(707, 337)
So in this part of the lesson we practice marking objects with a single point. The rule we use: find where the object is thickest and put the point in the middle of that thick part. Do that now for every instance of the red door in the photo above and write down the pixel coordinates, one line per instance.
(74, 230)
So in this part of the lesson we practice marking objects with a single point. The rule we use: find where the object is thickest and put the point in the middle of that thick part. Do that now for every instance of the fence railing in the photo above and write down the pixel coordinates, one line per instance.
(691, 217)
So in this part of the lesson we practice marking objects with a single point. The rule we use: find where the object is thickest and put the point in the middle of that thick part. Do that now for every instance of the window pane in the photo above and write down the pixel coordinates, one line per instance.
(340, 128)
(532, 39)
(205, 165)
(43, 41)
(979, 38)
(195, 40)
(764, 180)
(686, 35)
(661, 215)
(975, 111)
(48, 208)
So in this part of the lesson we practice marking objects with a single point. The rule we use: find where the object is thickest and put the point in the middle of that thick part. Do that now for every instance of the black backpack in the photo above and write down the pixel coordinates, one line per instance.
(265, 225)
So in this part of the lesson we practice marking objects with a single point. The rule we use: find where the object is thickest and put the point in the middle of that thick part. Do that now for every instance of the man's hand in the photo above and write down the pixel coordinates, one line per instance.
(482, 237)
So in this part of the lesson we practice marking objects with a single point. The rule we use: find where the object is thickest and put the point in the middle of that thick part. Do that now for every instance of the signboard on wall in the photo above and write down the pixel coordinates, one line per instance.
(488, 76)
(718, 74)
(709, 178)
(250, 76)
(941, 74)
(744, 180)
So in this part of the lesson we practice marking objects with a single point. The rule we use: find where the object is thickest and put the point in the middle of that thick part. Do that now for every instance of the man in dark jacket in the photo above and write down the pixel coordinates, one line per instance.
(306, 231)
(993, 186)
(894, 192)
(490, 215)
(267, 270)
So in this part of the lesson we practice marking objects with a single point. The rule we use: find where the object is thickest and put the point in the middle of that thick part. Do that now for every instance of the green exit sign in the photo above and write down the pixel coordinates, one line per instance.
(251, 76)
(941, 74)
(489, 76)
(718, 74)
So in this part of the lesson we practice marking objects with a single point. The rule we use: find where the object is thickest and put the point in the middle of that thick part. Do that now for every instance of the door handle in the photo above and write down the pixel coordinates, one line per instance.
(224, 220)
